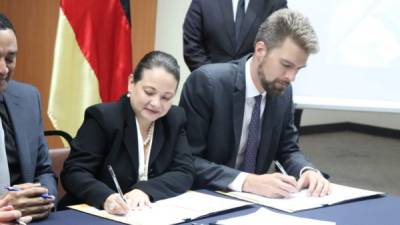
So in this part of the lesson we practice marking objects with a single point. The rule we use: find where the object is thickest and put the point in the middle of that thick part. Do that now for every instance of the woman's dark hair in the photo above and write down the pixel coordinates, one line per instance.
(5, 23)
(156, 59)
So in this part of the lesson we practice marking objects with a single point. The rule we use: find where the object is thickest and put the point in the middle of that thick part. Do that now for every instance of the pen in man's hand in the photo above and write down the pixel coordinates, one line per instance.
(110, 169)
(44, 195)
(280, 167)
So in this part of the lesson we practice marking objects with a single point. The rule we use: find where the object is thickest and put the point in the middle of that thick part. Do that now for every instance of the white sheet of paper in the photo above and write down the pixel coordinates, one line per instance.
(265, 216)
(300, 201)
(189, 205)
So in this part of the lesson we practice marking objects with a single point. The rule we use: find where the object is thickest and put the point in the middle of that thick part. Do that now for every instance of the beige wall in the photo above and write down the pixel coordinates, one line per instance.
(170, 17)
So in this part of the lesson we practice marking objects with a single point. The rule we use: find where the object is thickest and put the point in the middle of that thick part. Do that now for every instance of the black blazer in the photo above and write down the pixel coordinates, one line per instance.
(108, 136)
(209, 30)
(214, 97)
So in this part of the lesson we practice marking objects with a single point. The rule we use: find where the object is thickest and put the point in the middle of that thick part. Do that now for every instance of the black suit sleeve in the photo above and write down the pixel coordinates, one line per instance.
(197, 100)
(85, 160)
(195, 54)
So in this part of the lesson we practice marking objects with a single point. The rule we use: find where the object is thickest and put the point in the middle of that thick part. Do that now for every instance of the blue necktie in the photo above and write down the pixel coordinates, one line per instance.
(240, 11)
(253, 138)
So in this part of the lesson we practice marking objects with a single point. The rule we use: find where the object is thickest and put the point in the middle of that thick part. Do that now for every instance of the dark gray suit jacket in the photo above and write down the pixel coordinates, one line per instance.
(214, 97)
(209, 30)
(23, 104)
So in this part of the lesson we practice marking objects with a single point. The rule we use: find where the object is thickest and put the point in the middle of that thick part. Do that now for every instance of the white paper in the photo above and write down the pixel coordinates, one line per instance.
(301, 201)
(189, 205)
(265, 216)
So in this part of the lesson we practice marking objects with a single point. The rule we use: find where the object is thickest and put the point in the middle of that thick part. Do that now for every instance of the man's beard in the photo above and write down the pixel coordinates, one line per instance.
(268, 86)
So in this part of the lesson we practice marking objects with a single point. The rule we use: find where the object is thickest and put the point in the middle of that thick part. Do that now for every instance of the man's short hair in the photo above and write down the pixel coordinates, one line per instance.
(5, 23)
(288, 23)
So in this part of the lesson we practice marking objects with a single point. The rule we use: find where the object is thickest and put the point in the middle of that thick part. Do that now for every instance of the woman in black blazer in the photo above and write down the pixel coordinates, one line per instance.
(141, 136)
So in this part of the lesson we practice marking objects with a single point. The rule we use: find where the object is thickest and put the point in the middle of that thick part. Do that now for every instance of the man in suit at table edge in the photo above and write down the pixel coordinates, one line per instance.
(25, 163)
(240, 114)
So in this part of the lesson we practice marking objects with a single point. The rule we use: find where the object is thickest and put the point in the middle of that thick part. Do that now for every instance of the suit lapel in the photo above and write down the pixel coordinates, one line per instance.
(18, 119)
(158, 141)
(130, 135)
(227, 12)
(239, 98)
(265, 154)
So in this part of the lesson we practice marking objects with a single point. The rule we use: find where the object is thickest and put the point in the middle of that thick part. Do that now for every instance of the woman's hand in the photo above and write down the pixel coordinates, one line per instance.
(114, 204)
(137, 200)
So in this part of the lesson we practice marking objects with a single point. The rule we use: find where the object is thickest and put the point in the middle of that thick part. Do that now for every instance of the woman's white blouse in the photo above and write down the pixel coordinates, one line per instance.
(143, 162)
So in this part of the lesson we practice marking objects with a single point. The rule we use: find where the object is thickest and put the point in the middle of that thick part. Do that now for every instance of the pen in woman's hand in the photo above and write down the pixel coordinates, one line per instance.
(110, 169)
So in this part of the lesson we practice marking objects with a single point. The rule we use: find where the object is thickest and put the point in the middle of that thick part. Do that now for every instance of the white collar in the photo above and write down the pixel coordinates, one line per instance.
(251, 90)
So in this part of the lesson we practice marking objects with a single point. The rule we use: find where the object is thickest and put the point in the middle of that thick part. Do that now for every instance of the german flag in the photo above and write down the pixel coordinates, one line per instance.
(92, 58)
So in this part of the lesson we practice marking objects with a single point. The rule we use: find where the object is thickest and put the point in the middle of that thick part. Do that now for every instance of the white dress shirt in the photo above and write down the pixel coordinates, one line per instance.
(4, 170)
(251, 92)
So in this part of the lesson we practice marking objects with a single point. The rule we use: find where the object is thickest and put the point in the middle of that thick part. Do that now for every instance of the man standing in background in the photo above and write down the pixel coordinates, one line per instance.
(223, 30)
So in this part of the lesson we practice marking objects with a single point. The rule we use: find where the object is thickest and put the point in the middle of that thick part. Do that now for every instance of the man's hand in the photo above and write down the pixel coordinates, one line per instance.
(317, 185)
(9, 214)
(28, 201)
(274, 185)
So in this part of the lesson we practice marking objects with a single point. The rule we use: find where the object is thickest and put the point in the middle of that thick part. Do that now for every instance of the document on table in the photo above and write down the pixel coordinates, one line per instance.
(265, 216)
(185, 207)
(300, 201)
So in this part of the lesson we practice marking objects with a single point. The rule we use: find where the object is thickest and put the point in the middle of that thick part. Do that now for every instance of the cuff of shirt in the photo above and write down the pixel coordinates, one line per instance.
(237, 183)
(308, 168)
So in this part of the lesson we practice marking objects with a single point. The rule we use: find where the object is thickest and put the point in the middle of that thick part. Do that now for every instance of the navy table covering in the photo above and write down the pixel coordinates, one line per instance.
(376, 211)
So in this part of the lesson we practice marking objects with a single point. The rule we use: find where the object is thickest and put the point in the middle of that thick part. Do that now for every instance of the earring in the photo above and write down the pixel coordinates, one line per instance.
(128, 95)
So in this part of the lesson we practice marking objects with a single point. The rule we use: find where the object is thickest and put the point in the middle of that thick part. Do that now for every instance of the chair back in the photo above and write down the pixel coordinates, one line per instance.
(58, 156)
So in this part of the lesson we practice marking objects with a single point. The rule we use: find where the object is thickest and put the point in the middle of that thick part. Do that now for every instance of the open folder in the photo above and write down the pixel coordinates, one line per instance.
(301, 201)
(183, 208)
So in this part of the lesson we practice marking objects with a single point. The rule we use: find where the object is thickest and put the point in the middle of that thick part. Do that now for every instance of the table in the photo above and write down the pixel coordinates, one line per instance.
(382, 210)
